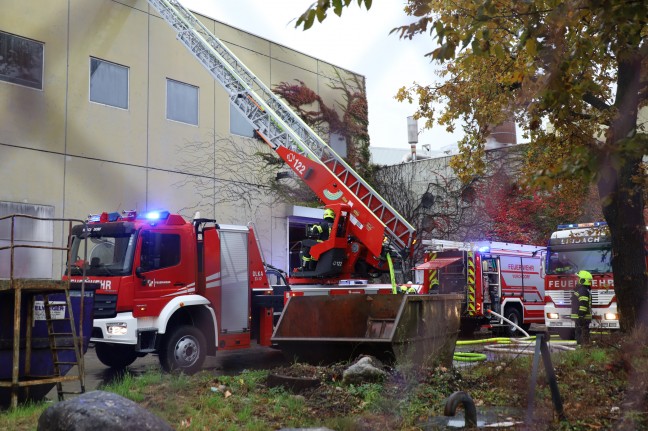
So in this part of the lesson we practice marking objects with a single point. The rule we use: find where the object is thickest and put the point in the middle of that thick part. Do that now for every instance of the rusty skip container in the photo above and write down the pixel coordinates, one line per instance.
(409, 329)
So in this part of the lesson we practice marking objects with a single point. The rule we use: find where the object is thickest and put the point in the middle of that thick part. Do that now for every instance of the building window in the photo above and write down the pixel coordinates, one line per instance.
(108, 83)
(239, 125)
(21, 61)
(182, 102)
(338, 144)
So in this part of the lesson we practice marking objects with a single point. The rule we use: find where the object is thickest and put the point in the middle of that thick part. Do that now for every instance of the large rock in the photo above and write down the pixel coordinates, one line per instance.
(366, 370)
(99, 410)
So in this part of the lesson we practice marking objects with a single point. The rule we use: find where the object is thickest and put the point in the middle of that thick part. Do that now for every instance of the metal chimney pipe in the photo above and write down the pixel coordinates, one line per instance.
(412, 135)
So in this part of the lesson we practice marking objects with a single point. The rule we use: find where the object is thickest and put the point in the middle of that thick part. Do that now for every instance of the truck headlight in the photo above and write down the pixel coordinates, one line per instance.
(552, 316)
(117, 328)
(611, 316)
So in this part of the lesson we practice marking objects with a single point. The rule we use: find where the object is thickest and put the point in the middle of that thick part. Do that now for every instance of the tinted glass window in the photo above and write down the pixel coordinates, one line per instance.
(239, 125)
(182, 102)
(159, 250)
(21, 61)
(108, 83)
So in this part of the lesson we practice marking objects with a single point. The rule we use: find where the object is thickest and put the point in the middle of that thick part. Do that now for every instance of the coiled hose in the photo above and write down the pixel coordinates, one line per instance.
(524, 345)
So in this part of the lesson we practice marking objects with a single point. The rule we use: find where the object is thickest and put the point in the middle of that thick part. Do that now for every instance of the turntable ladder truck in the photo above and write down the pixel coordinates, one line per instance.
(373, 221)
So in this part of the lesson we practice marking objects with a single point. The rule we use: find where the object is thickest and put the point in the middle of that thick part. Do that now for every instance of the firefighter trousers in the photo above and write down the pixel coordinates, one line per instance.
(582, 331)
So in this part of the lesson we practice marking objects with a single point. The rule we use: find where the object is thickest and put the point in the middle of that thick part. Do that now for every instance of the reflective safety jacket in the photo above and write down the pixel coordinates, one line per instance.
(322, 231)
(581, 303)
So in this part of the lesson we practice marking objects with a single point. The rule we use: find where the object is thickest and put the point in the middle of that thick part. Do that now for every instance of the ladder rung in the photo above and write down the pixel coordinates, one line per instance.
(52, 304)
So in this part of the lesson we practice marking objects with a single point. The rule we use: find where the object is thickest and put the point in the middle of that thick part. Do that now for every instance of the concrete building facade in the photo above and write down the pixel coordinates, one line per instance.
(102, 107)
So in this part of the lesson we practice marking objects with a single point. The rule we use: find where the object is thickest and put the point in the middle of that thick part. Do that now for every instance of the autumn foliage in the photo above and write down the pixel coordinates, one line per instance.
(352, 124)
(528, 215)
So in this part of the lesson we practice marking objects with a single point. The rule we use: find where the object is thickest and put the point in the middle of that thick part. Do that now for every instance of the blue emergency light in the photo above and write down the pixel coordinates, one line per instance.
(157, 215)
(581, 225)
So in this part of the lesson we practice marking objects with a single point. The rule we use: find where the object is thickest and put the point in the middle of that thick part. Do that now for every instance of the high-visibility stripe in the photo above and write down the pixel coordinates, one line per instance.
(433, 276)
(471, 303)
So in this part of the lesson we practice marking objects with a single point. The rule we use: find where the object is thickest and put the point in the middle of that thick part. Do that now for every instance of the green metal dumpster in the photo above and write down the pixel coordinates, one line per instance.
(408, 329)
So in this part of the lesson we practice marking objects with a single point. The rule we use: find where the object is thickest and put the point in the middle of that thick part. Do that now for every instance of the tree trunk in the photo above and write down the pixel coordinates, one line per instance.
(622, 200)
(623, 210)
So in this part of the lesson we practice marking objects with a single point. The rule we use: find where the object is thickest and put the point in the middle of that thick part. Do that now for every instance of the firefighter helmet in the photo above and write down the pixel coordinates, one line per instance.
(329, 214)
(584, 278)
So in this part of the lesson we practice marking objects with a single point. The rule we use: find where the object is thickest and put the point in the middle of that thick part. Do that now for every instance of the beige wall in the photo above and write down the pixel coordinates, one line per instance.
(57, 148)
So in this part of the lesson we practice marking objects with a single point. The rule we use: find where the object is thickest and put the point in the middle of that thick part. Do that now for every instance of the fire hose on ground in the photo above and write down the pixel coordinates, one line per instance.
(523, 345)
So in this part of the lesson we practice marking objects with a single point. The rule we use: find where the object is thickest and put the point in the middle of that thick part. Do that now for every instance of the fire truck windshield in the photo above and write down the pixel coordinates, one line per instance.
(596, 261)
(108, 253)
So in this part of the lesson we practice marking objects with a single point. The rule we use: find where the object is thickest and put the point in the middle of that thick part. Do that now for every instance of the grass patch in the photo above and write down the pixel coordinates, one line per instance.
(25, 417)
(602, 386)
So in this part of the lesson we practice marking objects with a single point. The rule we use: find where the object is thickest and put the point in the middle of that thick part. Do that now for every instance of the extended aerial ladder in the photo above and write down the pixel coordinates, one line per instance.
(328, 175)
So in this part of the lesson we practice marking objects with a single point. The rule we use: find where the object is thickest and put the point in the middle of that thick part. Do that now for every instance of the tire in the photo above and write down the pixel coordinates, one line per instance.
(514, 315)
(183, 350)
(116, 355)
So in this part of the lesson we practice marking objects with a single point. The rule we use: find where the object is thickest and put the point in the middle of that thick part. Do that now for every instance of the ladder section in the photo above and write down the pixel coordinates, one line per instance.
(273, 119)
(64, 343)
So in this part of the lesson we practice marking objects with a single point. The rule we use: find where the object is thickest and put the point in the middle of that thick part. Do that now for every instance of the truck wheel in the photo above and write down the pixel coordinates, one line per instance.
(115, 355)
(513, 314)
(183, 350)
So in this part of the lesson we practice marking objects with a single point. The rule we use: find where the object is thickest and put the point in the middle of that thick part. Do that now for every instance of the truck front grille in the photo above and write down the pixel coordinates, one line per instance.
(105, 306)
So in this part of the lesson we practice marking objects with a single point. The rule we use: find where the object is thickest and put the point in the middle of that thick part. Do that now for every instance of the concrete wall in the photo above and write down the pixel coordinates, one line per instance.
(58, 148)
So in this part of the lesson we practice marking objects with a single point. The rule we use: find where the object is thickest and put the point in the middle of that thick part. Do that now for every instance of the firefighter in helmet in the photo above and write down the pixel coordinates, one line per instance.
(322, 230)
(407, 288)
(581, 307)
(318, 232)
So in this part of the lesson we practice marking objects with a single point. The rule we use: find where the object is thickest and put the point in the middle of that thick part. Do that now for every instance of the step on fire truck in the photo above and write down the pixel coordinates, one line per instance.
(185, 289)
(501, 277)
(572, 248)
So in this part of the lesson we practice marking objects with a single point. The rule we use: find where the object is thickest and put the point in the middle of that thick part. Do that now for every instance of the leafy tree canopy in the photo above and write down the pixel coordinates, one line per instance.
(573, 74)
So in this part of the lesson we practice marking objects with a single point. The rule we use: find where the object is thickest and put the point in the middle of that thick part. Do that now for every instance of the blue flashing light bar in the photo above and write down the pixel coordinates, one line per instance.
(582, 225)
(483, 249)
(157, 215)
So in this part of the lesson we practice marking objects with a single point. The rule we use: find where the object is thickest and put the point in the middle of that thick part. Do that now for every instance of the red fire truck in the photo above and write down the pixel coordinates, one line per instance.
(501, 277)
(575, 247)
(185, 289)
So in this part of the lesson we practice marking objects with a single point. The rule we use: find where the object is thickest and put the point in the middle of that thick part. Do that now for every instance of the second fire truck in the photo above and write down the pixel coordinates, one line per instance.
(572, 248)
(505, 278)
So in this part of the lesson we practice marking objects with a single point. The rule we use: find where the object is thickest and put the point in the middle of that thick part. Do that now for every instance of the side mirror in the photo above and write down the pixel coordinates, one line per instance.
(139, 272)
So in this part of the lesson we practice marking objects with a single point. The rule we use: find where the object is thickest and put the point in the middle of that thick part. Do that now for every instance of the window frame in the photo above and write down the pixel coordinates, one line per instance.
(236, 111)
(24, 83)
(168, 80)
(165, 245)
(91, 58)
